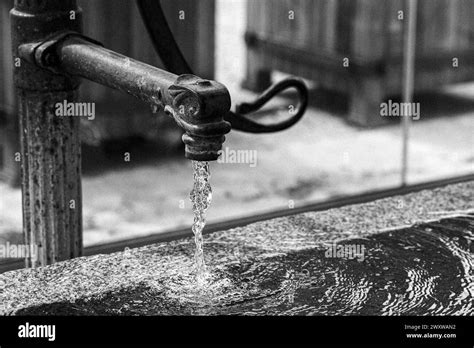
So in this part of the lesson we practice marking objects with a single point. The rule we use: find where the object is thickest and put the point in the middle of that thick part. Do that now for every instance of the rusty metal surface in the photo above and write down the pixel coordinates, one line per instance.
(50, 146)
(51, 186)
(33, 21)
(197, 105)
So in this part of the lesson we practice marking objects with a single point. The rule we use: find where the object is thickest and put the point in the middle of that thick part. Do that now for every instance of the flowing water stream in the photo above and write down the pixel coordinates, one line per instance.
(201, 197)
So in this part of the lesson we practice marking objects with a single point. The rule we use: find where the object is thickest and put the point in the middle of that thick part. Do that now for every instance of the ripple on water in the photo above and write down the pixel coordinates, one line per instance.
(420, 270)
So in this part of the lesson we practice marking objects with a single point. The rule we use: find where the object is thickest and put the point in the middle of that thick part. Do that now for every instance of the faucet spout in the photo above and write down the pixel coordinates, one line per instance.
(197, 105)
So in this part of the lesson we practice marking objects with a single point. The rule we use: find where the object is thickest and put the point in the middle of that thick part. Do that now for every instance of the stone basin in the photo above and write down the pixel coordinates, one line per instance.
(403, 255)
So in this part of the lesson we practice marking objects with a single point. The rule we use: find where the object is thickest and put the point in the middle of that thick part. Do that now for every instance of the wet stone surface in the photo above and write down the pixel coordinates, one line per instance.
(375, 259)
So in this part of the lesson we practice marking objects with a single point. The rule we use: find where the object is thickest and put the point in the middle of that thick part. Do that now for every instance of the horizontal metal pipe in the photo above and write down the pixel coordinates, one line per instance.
(80, 57)
(197, 105)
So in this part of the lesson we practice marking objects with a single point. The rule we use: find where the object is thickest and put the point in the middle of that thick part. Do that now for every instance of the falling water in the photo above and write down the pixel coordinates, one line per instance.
(201, 196)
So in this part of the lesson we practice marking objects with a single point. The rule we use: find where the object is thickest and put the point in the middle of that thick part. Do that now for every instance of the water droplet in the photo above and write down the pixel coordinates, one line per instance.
(305, 273)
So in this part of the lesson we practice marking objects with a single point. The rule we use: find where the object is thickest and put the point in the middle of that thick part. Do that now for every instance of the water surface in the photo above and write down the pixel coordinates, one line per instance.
(426, 269)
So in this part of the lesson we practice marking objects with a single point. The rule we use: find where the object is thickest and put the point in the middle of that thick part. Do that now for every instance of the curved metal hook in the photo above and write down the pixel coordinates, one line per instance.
(251, 126)
(173, 59)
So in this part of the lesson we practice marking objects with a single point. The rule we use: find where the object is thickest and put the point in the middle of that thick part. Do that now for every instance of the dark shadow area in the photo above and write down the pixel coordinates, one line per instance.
(112, 154)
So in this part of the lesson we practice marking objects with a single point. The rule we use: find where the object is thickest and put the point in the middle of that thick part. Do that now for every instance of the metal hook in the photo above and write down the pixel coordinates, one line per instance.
(245, 124)
(173, 59)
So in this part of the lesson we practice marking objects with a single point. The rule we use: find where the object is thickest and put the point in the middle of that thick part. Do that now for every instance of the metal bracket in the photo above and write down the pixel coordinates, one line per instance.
(44, 53)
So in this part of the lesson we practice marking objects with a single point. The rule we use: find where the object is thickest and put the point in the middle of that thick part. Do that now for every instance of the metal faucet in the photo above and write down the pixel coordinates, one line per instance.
(197, 105)
(46, 37)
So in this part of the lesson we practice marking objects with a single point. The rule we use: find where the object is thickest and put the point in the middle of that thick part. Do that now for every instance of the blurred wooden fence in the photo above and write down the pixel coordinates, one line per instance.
(312, 38)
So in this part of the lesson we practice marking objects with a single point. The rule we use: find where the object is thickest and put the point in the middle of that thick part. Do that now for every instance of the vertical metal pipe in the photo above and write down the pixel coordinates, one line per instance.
(50, 145)
(408, 80)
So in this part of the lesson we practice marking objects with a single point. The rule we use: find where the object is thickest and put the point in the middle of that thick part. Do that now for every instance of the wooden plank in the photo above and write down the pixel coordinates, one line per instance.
(328, 31)
(4, 33)
(368, 30)
(344, 25)
(313, 10)
(464, 27)
(205, 42)
(258, 67)
(305, 22)
(395, 27)
(7, 95)
(9, 139)
(432, 26)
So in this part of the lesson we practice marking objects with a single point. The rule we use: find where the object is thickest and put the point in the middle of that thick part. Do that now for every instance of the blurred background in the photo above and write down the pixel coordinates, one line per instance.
(348, 51)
